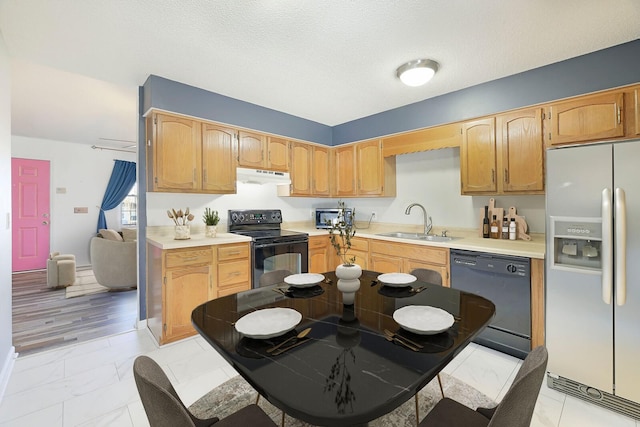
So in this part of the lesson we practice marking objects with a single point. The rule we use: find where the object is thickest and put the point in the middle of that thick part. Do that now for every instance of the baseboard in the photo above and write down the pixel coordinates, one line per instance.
(141, 324)
(7, 367)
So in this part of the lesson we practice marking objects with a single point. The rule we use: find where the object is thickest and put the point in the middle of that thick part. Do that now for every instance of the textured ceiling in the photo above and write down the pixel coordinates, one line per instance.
(77, 63)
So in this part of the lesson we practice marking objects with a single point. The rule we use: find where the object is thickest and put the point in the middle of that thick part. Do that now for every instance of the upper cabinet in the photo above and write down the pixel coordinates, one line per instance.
(362, 171)
(277, 154)
(586, 118)
(444, 136)
(251, 149)
(218, 159)
(503, 155)
(173, 154)
(309, 170)
(478, 157)
(520, 151)
(189, 156)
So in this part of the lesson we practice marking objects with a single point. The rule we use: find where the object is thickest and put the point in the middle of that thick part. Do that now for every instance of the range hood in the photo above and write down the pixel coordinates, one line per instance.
(259, 176)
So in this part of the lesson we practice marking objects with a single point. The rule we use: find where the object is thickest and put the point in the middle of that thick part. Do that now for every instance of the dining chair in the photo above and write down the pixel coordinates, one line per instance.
(273, 277)
(515, 409)
(164, 408)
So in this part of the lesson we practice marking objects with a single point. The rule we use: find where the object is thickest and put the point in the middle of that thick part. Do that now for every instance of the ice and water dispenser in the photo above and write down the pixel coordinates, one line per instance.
(577, 243)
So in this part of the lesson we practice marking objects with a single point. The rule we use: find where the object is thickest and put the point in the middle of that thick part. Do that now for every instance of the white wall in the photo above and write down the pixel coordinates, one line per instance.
(430, 178)
(84, 173)
(6, 349)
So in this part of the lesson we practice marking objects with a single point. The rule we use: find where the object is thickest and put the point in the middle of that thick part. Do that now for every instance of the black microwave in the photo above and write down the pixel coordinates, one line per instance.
(326, 217)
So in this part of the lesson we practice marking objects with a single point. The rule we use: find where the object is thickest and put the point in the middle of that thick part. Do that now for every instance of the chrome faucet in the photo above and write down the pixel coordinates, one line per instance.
(426, 220)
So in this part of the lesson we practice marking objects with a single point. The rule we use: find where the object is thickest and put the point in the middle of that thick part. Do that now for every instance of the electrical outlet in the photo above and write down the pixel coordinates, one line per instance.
(311, 213)
(374, 215)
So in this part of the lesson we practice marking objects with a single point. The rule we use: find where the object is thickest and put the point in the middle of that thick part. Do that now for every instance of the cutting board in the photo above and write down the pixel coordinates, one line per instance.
(493, 210)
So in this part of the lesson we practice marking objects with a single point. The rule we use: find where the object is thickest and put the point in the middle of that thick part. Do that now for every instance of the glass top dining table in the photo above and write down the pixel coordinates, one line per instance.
(348, 369)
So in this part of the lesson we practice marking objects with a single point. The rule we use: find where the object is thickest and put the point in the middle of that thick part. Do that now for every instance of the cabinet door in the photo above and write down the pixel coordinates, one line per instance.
(636, 112)
(318, 254)
(185, 289)
(588, 118)
(370, 168)
(320, 171)
(300, 169)
(345, 170)
(176, 162)
(521, 151)
(218, 160)
(478, 157)
(385, 264)
(251, 147)
(278, 154)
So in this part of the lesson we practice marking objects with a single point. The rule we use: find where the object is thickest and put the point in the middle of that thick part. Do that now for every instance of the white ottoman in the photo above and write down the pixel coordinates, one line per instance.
(61, 270)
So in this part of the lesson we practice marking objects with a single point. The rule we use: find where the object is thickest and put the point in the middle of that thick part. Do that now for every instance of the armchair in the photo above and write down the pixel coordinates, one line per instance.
(114, 263)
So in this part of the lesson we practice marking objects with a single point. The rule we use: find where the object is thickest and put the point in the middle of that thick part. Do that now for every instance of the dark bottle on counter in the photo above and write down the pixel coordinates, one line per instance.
(505, 228)
(495, 228)
(485, 223)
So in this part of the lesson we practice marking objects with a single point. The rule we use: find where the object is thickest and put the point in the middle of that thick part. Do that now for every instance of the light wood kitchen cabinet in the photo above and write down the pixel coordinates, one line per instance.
(360, 250)
(320, 160)
(632, 112)
(277, 154)
(173, 154)
(362, 171)
(189, 156)
(345, 171)
(233, 269)
(393, 257)
(586, 118)
(320, 251)
(478, 157)
(251, 149)
(178, 281)
(218, 159)
(520, 152)
(300, 171)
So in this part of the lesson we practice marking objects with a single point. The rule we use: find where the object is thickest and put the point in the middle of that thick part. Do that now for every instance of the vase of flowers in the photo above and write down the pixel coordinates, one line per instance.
(348, 272)
(211, 219)
(182, 223)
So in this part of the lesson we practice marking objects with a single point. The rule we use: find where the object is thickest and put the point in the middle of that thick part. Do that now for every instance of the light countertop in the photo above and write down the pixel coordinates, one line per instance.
(466, 239)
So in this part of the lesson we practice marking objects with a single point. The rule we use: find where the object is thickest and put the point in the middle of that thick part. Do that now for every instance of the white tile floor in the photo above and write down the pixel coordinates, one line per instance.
(91, 384)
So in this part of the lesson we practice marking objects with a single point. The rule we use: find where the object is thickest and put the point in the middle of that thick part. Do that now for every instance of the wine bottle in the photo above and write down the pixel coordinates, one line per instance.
(495, 229)
(505, 228)
(485, 223)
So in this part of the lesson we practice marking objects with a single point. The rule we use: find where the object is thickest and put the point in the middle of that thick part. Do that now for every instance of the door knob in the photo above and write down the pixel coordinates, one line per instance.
(45, 222)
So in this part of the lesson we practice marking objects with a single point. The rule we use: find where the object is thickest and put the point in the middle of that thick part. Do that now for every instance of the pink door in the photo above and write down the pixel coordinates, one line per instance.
(30, 212)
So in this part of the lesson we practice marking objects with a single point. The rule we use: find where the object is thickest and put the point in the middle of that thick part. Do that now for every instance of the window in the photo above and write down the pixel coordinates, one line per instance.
(128, 208)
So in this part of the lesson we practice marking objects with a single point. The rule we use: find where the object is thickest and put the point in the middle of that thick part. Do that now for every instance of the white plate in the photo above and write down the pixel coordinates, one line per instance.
(268, 322)
(423, 319)
(396, 279)
(304, 280)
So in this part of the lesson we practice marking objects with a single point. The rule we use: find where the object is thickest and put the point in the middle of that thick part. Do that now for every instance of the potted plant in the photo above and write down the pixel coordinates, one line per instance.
(341, 232)
(211, 219)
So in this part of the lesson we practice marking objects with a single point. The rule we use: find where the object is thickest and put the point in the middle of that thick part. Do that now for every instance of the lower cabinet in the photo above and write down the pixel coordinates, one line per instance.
(391, 257)
(178, 280)
(320, 251)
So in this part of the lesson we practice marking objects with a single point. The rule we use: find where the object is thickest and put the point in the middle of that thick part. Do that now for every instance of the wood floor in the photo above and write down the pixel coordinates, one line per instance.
(44, 319)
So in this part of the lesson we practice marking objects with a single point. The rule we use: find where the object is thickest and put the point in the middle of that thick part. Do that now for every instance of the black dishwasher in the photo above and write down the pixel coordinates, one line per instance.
(506, 281)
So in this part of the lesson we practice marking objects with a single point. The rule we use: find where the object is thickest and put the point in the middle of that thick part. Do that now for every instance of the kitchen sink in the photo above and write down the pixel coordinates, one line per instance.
(418, 236)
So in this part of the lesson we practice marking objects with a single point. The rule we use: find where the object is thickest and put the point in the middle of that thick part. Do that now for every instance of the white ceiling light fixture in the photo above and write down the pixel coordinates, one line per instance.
(417, 72)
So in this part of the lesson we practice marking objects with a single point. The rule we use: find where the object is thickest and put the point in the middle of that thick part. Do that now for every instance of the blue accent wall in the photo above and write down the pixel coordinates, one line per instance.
(603, 69)
(181, 98)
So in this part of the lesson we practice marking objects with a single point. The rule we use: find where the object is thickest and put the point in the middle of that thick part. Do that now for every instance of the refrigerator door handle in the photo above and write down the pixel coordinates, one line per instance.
(607, 246)
(621, 246)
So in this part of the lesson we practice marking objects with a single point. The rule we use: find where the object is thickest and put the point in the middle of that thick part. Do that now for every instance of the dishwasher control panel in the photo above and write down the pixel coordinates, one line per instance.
(496, 264)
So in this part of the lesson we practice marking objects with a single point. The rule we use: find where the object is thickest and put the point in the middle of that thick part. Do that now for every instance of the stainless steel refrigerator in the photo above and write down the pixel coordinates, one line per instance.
(593, 273)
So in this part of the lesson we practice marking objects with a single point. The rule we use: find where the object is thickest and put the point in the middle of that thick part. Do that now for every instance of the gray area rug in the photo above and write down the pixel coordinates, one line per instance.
(237, 393)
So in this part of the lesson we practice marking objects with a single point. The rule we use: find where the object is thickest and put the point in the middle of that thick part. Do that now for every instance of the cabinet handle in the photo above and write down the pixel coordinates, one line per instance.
(233, 253)
(619, 115)
(506, 175)
(493, 175)
(191, 258)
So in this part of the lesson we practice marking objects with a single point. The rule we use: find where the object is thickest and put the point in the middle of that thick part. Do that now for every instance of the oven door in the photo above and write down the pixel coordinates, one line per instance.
(291, 256)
